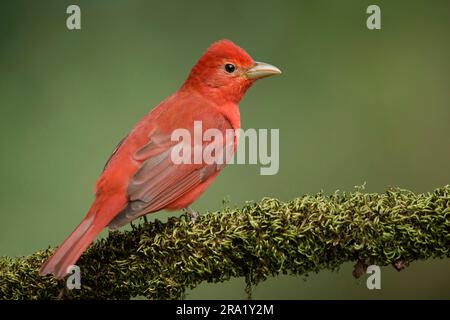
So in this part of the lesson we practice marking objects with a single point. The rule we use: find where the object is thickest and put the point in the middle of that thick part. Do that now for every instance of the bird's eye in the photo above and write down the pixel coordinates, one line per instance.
(230, 68)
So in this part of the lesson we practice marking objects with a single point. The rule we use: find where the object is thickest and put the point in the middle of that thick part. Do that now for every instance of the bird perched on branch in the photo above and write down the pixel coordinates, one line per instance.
(141, 177)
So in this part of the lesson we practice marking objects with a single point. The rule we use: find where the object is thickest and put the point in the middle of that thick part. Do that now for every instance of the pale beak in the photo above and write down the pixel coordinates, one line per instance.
(262, 70)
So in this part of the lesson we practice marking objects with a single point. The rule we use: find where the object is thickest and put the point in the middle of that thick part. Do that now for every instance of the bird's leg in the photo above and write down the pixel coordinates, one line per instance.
(145, 219)
(194, 214)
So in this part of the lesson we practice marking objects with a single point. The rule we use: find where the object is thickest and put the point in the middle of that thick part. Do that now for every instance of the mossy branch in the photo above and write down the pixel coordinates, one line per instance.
(308, 234)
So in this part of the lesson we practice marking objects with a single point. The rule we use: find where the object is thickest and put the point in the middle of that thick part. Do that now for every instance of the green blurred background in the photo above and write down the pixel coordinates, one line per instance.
(352, 106)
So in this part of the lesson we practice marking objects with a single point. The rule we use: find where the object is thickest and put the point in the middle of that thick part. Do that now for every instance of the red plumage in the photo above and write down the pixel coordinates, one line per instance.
(140, 177)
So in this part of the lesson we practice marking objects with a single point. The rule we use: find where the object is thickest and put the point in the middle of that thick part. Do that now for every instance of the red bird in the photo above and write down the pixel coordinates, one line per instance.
(140, 177)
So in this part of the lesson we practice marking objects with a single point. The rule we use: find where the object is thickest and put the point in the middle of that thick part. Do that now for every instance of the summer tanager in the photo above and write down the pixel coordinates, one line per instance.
(140, 176)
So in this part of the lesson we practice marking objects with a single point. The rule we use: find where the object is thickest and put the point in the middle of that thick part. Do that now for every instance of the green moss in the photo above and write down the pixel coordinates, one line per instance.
(308, 234)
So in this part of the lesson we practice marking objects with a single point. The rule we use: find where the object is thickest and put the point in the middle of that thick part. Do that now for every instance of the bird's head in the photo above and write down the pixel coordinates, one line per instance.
(226, 71)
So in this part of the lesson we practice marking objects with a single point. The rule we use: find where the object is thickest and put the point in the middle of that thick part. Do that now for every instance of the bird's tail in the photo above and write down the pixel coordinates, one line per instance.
(73, 247)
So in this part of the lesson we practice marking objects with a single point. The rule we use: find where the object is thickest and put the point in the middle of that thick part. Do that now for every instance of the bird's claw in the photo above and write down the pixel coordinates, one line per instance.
(194, 214)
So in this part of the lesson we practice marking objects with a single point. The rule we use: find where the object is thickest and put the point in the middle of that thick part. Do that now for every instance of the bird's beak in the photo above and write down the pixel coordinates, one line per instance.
(262, 70)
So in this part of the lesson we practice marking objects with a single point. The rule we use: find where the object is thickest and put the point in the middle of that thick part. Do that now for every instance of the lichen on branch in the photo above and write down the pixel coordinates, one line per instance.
(307, 234)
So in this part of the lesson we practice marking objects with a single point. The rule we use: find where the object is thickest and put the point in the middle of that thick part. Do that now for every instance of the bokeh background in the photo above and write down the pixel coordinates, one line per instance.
(352, 106)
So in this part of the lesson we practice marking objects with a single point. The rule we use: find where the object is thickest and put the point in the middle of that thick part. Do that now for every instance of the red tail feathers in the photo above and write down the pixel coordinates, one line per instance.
(72, 248)
(100, 214)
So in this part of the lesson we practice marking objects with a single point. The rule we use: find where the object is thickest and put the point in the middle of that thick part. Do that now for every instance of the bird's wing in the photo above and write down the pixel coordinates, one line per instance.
(159, 181)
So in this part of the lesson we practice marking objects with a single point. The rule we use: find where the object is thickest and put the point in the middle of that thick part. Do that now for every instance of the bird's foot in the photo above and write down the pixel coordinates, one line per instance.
(194, 214)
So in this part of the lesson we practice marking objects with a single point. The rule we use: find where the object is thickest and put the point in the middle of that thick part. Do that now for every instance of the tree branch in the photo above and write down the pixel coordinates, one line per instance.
(308, 234)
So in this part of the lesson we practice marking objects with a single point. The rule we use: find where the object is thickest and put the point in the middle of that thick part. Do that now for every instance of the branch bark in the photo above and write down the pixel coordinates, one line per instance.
(308, 234)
